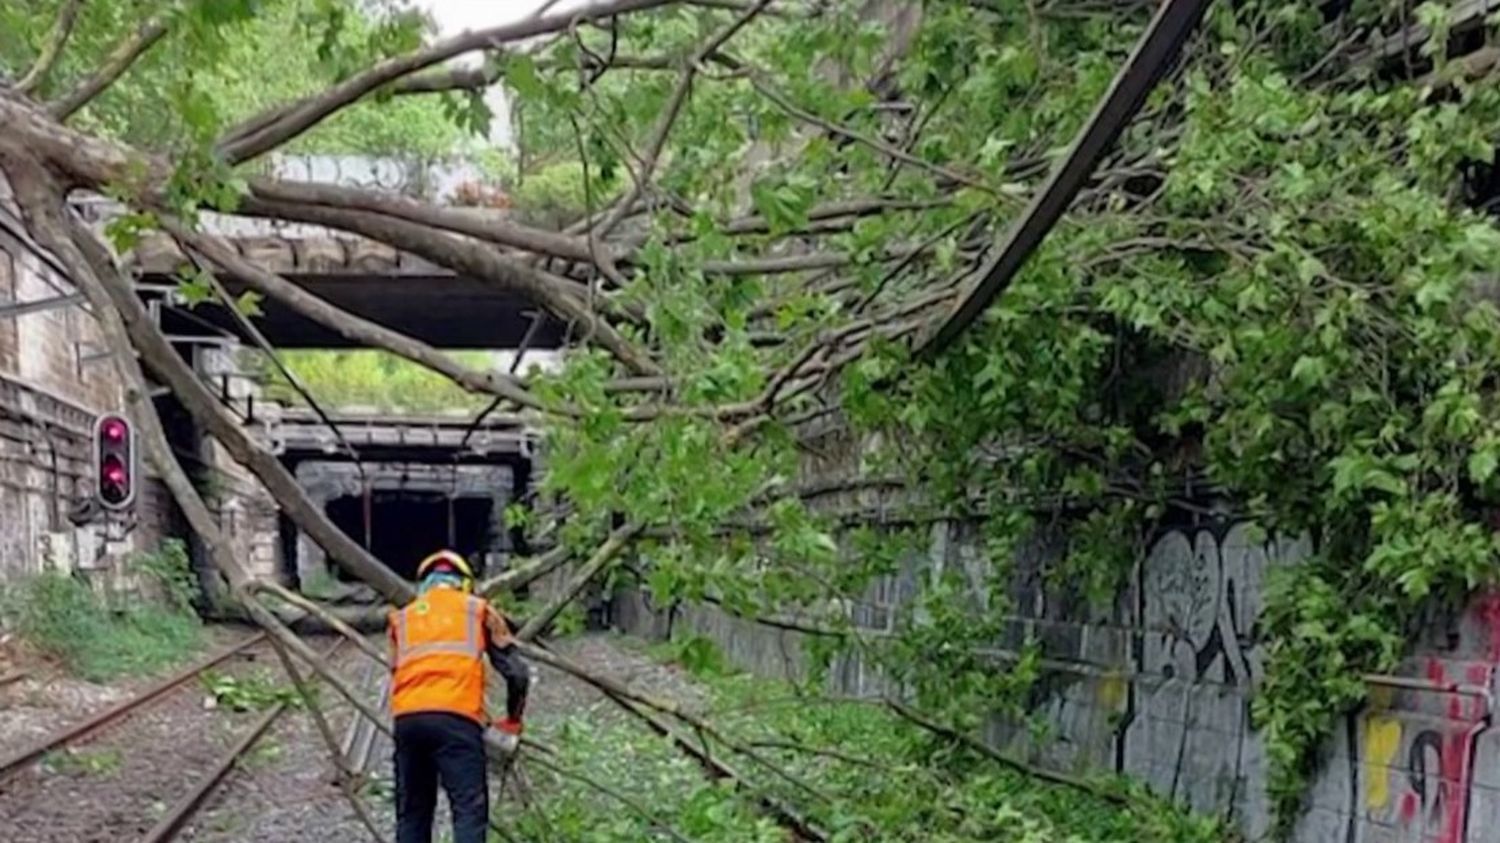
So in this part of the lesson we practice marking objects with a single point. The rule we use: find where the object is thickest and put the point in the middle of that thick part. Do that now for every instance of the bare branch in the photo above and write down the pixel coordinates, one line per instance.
(761, 84)
(62, 29)
(477, 78)
(635, 807)
(258, 136)
(341, 769)
(113, 68)
(951, 734)
(250, 330)
(518, 578)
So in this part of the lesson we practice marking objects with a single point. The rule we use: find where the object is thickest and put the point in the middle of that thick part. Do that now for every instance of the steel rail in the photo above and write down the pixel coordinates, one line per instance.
(166, 829)
(9, 766)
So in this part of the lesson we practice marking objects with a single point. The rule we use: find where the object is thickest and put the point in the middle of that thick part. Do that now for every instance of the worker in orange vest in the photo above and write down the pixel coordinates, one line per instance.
(439, 642)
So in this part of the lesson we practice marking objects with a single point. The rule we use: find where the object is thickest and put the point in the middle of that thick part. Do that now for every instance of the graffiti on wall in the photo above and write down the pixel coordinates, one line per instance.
(1186, 727)
(1413, 770)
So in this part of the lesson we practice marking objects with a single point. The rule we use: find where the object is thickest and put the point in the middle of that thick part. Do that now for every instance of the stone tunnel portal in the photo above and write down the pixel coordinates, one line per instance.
(413, 509)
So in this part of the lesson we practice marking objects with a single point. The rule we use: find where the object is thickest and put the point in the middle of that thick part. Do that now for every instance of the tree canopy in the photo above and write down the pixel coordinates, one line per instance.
(1271, 289)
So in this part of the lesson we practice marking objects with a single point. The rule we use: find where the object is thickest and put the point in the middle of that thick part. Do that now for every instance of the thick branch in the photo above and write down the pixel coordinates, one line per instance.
(113, 68)
(348, 325)
(490, 227)
(41, 203)
(62, 29)
(470, 258)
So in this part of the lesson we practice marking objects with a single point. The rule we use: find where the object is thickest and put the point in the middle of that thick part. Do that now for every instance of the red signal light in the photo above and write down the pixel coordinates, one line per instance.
(114, 462)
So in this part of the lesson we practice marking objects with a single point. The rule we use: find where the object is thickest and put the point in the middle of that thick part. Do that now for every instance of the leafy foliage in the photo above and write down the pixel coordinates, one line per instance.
(1278, 301)
(244, 57)
(255, 692)
(888, 781)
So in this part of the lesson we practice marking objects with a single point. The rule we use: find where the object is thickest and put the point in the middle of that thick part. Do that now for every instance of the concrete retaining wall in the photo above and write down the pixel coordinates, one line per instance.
(1158, 684)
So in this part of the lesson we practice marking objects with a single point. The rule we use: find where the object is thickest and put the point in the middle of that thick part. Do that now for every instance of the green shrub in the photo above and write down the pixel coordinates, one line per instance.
(101, 636)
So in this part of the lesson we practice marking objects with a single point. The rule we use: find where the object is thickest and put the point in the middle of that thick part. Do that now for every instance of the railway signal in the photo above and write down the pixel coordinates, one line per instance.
(114, 461)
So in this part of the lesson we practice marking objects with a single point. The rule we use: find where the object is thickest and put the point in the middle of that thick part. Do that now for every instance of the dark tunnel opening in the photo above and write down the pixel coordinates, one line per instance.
(407, 526)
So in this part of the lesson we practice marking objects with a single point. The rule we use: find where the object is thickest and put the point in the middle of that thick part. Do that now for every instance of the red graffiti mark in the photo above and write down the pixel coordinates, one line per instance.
(1408, 806)
(1435, 673)
(1455, 785)
(1488, 610)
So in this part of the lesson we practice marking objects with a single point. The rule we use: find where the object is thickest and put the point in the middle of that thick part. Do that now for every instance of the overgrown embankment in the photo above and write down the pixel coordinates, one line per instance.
(857, 770)
(102, 633)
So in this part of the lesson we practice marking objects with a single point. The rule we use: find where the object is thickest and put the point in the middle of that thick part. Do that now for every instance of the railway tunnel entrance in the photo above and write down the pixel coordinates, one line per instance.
(403, 488)
(403, 527)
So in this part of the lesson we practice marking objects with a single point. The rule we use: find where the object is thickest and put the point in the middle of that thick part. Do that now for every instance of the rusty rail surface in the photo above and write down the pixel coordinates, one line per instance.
(9, 766)
(166, 829)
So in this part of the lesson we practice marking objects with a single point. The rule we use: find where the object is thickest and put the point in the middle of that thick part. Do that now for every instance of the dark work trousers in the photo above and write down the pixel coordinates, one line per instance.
(433, 745)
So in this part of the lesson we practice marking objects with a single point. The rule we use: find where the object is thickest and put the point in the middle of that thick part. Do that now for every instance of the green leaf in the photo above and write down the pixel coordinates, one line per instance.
(195, 287)
(521, 76)
(1483, 462)
(1310, 371)
(248, 303)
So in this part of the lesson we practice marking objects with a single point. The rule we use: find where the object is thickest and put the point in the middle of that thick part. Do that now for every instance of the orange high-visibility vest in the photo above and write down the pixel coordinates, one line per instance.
(438, 642)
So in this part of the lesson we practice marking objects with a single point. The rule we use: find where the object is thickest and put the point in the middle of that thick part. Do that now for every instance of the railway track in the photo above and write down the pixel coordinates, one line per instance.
(195, 793)
(180, 813)
(25, 757)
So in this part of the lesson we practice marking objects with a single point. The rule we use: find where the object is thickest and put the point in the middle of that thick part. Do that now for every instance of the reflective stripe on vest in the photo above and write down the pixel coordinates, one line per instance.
(439, 660)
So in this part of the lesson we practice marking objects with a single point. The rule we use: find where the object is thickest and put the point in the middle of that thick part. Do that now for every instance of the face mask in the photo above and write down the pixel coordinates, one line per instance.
(451, 580)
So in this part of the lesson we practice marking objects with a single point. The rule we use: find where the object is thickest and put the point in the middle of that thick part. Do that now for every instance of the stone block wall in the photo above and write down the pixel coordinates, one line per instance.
(54, 381)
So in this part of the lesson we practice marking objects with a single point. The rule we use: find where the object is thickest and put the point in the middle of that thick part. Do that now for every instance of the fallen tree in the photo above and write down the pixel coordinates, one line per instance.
(784, 207)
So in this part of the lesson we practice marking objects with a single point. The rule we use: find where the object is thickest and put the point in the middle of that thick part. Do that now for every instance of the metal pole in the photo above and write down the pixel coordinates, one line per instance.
(1158, 47)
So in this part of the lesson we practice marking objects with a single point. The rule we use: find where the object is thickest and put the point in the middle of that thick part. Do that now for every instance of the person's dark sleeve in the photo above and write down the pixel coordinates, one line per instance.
(507, 660)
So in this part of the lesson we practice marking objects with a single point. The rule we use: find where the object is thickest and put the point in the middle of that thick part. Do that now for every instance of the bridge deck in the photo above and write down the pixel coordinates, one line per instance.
(376, 282)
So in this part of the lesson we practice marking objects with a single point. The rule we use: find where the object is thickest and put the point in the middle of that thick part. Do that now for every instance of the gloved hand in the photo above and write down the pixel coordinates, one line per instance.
(510, 733)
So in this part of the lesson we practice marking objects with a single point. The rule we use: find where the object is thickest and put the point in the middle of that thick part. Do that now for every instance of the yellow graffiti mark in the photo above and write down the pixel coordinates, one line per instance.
(1112, 692)
(1382, 740)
